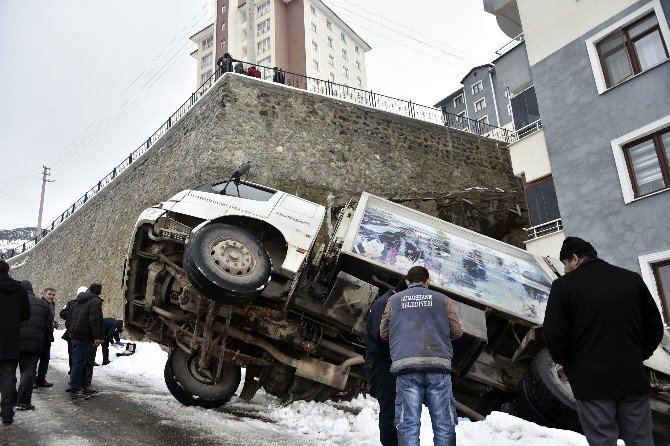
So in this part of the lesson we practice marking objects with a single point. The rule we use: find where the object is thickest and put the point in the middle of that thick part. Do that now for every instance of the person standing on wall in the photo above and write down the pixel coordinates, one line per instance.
(601, 322)
(278, 76)
(34, 334)
(48, 296)
(84, 323)
(378, 367)
(14, 310)
(420, 324)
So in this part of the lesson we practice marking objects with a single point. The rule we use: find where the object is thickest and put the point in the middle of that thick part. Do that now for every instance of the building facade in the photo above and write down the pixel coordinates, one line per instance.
(502, 93)
(204, 54)
(300, 36)
(603, 88)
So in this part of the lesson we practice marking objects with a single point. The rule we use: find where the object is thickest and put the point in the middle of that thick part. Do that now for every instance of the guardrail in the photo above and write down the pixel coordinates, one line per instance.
(528, 130)
(509, 45)
(320, 86)
(544, 229)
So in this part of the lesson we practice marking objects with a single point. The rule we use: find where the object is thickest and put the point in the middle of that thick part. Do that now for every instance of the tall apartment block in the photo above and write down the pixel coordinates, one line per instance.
(300, 36)
(601, 76)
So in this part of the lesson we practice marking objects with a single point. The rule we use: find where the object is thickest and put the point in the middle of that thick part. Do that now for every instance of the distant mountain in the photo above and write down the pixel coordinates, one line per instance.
(14, 238)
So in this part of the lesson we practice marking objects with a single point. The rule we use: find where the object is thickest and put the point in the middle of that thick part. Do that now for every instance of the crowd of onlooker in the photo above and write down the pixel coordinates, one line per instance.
(225, 65)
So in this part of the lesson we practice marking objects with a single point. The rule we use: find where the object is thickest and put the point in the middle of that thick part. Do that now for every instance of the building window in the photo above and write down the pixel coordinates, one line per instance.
(223, 26)
(331, 59)
(313, 26)
(312, 9)
(525, 109)
(358, 65)
(262, 9)
(631, 50)
(224, 8)
(360, 81)
(332, 77)
(205, 76)
(345, 71)
(458, 100)
(330, 41)
(480, 105)
(315, 63)
(542, 202)
(477, 87)
(662, 275)
(484, 119)
(648, 161)
(223, 44)
(461, 116)
(329, 25)
(343, 37)
(266, 61)
(206, 60)
(263, 46)
(263, 27)
(344, 54)
(315, 46)
(357, 49)
(208, 42)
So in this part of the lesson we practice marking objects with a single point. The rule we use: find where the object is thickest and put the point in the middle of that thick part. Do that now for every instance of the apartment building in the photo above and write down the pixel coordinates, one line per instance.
(300, 36)
(501, 93)
(204, 54)
(602, 80)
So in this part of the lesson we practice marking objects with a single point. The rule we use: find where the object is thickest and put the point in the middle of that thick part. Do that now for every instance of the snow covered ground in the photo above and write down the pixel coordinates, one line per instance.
(330, 423)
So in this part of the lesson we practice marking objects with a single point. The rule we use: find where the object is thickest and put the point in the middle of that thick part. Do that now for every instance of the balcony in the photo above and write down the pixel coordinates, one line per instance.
(543, 229)
(507, 15)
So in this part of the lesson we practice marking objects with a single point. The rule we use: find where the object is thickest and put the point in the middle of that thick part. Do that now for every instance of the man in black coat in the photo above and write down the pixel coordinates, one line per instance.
(14, 309)
(35, 332)
(48, 296)
(601, 323)
(86, 329)
(113, 328)
(378, 368)
(64, 312)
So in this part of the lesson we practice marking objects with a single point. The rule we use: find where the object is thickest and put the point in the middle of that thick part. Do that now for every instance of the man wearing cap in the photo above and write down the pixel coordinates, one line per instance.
(601, 323)
(419, 324)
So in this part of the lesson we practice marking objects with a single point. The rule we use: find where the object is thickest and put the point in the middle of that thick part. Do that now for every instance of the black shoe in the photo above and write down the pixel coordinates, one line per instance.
(79, 395)
(95, 364)
(90, 391)
(105, 362)
(25, 406)
(7, 420)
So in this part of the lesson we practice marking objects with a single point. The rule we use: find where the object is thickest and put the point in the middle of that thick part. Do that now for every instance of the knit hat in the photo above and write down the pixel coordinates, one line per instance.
(573, 245)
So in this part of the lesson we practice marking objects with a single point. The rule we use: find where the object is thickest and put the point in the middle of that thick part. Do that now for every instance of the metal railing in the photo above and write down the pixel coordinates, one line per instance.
(319, 86)
(528, 130)
(544, 229)
(509, 45)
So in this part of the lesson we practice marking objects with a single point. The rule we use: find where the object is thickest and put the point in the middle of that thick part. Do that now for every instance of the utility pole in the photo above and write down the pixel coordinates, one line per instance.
(45, 174)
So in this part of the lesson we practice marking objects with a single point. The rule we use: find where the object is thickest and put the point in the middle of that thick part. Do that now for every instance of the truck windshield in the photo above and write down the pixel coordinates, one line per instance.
(245, 191)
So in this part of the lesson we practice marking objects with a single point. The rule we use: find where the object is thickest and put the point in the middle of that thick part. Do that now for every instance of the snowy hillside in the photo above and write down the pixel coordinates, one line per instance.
(14, 238)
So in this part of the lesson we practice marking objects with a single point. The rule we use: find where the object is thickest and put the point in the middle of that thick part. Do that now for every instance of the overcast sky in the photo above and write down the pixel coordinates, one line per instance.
(84, 83)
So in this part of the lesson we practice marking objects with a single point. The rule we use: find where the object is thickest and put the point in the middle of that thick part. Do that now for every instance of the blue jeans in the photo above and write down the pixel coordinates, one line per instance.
(80, 350)
(434, 389)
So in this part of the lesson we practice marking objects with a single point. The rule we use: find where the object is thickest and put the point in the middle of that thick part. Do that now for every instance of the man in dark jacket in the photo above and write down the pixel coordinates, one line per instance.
(378, 367)
(278, 76)
(113, 328)
(33, 335)
(601, 323)
(14, 310)
(420, 324)
(48, 296)
(64, 312)
(86, 329)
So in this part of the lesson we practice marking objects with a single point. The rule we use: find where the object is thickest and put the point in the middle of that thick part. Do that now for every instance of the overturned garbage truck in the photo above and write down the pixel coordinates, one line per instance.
(233, 274)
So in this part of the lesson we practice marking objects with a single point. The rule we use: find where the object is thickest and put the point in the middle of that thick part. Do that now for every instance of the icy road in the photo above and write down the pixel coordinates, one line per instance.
(135, 407)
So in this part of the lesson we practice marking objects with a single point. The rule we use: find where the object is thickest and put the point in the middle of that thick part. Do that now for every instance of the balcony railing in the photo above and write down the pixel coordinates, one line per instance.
(528, 130)
(509, 45)
(319, 86)
(543, 229)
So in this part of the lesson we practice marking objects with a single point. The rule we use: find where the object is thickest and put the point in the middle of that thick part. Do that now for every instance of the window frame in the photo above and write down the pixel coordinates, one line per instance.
(345, 55)
(618, 151)
(224, 8)
(331, 60)
(345, 71)
(332, 76)
(591, 42)
(481, 119)
(661, 292)
(262, 7)
(663, 161)
(315, 64)
(530, 184)
(329, 25)
(343, 37)
(483, 101)
(481, 87)
(359, 81)
(312, 9)
(462, 98)
(648, 262)
(266, 29)
(314, 27)
(357, 49)
(267, 47)
(315, 46)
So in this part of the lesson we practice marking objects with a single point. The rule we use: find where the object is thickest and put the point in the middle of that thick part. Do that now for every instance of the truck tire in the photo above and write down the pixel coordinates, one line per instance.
(190, 389)
(227, 264)
(543, 398)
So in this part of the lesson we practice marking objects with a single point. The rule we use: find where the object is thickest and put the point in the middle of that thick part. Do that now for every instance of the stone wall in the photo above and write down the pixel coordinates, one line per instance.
(299, 142)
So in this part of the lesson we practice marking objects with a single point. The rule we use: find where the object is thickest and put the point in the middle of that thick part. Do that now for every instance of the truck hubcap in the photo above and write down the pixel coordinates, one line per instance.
(232, 257)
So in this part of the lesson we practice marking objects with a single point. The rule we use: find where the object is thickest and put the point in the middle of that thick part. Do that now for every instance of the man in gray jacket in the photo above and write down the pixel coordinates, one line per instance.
(420, 324)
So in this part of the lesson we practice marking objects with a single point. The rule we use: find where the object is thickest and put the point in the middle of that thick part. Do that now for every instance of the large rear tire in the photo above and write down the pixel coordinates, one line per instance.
(227, 264)
(192, 389)
(544, 396)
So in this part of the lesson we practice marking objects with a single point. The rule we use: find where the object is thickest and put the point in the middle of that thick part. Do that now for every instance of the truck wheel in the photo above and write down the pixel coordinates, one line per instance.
(227, 264)
(544, 395)
(192, 389)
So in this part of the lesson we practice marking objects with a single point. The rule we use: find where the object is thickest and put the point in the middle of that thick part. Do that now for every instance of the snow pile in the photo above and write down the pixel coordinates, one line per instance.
(140, 377)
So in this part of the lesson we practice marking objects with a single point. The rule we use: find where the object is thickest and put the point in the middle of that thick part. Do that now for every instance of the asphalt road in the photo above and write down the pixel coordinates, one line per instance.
(117, 416)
